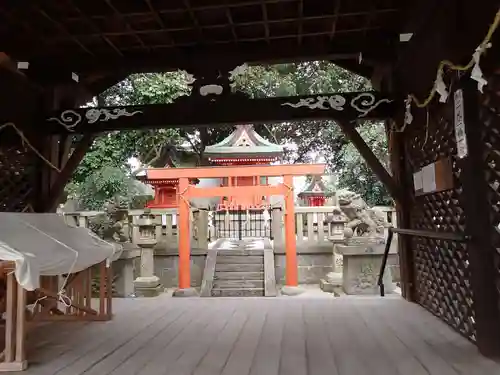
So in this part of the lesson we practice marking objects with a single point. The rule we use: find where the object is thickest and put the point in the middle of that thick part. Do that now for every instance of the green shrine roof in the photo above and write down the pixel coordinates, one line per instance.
(316, 187)
(244, 142)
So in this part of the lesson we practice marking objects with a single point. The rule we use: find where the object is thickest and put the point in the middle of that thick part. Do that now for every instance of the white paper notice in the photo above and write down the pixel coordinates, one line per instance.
(462, 149)
(417, 181)
(429, 178)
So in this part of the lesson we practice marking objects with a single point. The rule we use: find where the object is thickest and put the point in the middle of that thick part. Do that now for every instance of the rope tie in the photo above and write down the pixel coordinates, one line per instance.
(25, 141)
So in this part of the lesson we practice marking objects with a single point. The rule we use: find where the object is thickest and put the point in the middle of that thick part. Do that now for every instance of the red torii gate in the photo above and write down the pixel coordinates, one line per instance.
(187, 191)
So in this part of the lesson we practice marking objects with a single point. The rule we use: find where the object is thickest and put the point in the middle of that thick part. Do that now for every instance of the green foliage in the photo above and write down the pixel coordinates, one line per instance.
(104, 167)
(356, 175)
(104, 185)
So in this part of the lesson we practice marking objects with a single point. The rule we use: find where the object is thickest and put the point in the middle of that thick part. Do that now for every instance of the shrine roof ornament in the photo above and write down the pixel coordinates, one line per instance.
(315, 187)
(244, 141)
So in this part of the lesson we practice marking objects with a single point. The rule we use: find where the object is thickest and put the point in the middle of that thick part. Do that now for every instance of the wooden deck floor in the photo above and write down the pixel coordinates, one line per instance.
(258, 336)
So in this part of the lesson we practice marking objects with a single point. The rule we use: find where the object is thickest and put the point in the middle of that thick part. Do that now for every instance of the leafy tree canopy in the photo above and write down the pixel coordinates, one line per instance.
(306, 139)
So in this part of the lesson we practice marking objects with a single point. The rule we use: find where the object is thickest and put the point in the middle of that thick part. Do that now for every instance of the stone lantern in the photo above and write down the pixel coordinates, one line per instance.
(147, 284)
(337, 222)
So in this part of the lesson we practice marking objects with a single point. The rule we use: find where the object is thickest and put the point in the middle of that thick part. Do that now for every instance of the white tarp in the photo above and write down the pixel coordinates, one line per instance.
(44, 245)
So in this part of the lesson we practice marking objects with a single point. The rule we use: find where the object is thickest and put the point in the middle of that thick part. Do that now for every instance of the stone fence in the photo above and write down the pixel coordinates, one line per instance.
(316, 237)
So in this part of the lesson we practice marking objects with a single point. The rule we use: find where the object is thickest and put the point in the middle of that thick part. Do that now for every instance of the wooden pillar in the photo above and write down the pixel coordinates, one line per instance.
(290, 240)
(403, 208)
(183, 233)
(480, 249)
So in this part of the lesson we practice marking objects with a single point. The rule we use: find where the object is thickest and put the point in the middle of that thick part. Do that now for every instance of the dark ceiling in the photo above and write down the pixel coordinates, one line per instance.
(102, 36)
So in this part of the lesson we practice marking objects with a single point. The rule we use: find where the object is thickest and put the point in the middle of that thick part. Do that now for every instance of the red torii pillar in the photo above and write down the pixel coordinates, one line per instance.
(186, 192)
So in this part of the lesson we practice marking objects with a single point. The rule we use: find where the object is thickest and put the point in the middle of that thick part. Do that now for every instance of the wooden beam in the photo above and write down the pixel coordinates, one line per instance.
(64, 176)
(352, 134)
(246, 171)
(232, 109)
(220, 56)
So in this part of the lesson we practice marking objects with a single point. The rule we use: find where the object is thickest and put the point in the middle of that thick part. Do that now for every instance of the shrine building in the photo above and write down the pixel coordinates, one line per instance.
(314, 195)
(244, 146)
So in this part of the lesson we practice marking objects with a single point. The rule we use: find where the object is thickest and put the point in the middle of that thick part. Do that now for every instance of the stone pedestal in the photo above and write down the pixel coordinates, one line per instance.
(126, 268)
(147, 284)
(361, 268)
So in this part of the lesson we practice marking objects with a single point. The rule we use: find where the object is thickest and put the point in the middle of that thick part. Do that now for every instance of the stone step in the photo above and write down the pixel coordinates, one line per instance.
(238, 276)
(235, 292)
(236, 259)
(240, 252)
(238, 284)
(239, 267)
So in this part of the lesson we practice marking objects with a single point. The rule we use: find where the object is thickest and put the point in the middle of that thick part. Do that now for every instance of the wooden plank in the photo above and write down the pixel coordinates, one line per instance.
(10, 318)
(196, 350)
(106, 360)
(459, 353)
(78, 362)
(320, 360)
(176, 348)
(268, 354)
(293, 345)
(219, 351)
(371, 352)
(241, 358)
(398, 353)
(159, 343)
(345, 350)
(58, 357)
(20, 356)
(427, 356)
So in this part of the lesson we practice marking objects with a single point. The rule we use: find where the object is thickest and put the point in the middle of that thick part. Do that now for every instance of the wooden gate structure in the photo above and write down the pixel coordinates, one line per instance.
(422, 57)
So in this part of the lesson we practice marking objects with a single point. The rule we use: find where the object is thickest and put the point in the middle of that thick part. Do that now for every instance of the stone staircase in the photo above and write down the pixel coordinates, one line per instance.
(239, 268)
(239, 273)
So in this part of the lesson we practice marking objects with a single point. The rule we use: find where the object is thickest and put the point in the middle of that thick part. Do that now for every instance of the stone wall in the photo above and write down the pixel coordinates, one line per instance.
(314, 263)
(166, 266)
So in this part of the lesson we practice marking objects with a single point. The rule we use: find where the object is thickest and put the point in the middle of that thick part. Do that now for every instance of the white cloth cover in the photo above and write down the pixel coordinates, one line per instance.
(44, 245)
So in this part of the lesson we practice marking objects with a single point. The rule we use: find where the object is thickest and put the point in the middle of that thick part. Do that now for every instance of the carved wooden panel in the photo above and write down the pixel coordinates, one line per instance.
(489, 113)
(441, 268)
(18, 178)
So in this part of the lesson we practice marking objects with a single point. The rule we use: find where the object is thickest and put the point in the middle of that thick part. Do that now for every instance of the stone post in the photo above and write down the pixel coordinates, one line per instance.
(147, 284)
(277, 228)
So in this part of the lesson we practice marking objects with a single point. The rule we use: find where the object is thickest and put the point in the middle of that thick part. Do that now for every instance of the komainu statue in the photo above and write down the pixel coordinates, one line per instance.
(362, 221)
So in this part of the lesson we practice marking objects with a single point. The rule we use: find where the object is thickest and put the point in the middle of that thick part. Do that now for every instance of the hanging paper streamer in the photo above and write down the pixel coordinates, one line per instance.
(267, 218)
(408, 115)
(247, 221)
(441, 87)
(477, 73)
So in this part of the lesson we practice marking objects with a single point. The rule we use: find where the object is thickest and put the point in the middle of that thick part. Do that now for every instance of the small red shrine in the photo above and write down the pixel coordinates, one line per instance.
(244, 146)
(165, 191)
(314, 193)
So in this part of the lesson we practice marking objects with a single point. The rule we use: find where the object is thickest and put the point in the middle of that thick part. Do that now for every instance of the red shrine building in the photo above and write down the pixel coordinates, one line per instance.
(314, 193)
(244, 146)
(165, 191)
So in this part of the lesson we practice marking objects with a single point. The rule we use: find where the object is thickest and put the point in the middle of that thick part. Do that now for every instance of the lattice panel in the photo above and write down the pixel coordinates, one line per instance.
(18, 175)
(489, 116)
(441, 268)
